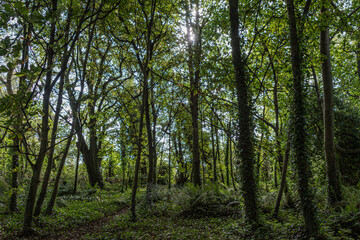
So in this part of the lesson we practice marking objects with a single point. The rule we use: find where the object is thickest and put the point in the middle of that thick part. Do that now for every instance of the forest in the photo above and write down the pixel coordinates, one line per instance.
(189, 119)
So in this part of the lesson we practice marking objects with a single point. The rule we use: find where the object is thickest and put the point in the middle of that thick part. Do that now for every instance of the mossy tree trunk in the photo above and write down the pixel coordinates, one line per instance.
(299, 130)
(245, 148)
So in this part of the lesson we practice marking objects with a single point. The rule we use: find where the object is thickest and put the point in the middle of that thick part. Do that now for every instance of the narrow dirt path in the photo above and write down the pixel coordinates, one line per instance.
(87, 228)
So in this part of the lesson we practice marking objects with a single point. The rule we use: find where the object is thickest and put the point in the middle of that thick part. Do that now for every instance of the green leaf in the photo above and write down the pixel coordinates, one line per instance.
(3, 68)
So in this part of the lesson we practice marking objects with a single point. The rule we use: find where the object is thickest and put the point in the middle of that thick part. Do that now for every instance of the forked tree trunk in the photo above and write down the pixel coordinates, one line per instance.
(34, 183)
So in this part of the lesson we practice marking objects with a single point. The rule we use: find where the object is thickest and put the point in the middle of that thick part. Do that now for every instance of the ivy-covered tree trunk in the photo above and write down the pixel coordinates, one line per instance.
(299, 130)
(334, 192)
(245, 148)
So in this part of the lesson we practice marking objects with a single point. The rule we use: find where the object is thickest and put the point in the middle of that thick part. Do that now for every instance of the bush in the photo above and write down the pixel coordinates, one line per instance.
(210, 201)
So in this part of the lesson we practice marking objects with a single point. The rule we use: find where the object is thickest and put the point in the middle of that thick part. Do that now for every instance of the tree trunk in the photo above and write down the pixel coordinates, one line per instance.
(213, 152)
(298, 122)
(218, 153)
(245, 148)
(137, 163)
(194, 61)
(50, 157)
(169, 150)
(35, 179)
(76, 170)
(231, 163)
(334, 192)
(227, 156)
(150, 140)
(358, 59)
(283, 180)
(14, 175)
(52, 200)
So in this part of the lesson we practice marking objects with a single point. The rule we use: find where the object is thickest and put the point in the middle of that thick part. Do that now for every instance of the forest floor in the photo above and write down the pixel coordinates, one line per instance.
(85, 229)
(185, 213)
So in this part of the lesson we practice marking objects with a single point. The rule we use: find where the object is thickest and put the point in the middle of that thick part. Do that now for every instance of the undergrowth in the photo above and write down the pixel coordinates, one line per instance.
(190, 212)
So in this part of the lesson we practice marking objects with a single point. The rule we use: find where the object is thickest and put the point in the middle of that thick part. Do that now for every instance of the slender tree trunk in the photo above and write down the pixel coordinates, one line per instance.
(16, 141)
(258, 160)
(50, 157)
(213, 152)
(76, 170)
(137, 163)
(227, 156)
(334, 192)
(283, 180)
(169, 149)
(298, 122)
(245, 146)
(231, 163)
(14, 175)
(203, 156)
(16, 144)
(218, 153)
(52, 200)
(150, 141)
(358, 58)
(123, 159)
(34, 183)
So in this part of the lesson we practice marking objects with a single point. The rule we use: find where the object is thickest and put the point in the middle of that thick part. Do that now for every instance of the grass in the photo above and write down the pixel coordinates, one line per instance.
(185, 213)
(69, 212)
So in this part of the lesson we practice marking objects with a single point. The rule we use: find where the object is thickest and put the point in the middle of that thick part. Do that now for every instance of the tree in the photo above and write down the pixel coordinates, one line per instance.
(245, 149)
(334, 192)
(31, 198)
(298, 123)
(194, 63)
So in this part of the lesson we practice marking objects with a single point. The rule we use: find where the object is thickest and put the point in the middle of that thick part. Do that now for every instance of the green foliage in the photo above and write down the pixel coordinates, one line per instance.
(211, 201)
(4, 188)
(69, 212)
(347, 132)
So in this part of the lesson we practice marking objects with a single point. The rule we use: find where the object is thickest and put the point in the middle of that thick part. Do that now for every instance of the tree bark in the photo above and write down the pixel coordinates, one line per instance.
(194, 61)
(283, 180)
(34, 183)
(358, 58)
(227, 157)
(52, 200)
(76, 171)
(137, 163)
(299, 134)
(214, 155)
(334, 192)
(245, 148)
